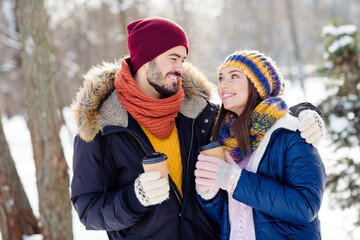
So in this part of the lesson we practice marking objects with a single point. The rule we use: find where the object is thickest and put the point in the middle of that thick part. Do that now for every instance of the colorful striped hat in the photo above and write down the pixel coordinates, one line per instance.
(260, 69)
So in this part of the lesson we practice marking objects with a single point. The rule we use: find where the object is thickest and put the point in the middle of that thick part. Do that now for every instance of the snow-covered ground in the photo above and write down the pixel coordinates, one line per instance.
(335, 224)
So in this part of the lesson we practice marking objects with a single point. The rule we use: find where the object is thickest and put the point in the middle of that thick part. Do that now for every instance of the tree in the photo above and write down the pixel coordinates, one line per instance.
(10, 61)
(341, 111)
(43, 121)
(16, 216)
(294, 37)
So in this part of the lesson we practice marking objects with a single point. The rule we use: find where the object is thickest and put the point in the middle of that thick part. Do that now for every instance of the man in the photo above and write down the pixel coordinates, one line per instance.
(152, 102)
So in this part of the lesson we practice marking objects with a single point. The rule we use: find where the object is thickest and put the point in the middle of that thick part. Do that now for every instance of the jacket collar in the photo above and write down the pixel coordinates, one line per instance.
(97, 105)
(288, 122)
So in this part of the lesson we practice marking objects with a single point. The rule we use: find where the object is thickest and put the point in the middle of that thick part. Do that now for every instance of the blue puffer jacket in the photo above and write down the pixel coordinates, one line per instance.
(284, 187)
(107, 159)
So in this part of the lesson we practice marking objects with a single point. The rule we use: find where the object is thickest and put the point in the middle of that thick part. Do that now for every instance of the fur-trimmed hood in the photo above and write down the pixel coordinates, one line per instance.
(97, 105)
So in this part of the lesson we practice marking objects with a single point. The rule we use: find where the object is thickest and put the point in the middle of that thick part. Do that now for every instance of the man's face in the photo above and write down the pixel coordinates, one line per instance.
(165, 71)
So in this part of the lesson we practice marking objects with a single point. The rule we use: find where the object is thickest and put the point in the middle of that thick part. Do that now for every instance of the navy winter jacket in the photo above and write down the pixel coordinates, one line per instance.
(107, 159)
(284, 187)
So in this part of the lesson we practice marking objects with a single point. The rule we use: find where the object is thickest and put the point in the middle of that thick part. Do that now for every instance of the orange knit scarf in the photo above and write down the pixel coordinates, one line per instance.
(157, 115)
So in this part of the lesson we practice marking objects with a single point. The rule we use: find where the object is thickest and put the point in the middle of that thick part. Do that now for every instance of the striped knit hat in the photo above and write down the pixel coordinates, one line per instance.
(260, 69)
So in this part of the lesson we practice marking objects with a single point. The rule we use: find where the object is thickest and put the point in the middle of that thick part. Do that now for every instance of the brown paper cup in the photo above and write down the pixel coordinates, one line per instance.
(156, 161)
(213, 149)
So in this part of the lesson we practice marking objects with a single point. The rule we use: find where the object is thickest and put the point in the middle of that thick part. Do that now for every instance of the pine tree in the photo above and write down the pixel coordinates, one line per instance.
(341, 110)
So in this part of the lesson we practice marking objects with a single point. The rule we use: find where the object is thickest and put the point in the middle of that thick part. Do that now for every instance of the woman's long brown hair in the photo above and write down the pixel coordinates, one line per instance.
(240, 125)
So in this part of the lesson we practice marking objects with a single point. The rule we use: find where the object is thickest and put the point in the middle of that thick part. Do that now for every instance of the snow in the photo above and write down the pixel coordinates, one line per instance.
(29, 45)
(339, 124)
(341, 30)
(335, 224)
(33, 237)
(8, 7)
(352, 97)
(18, 137)
(72, 67)
(343, 41)
(340, 43)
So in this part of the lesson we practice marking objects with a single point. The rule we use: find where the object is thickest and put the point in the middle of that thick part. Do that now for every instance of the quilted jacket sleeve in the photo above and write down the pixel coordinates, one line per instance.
(214, 207)
(294, 191)
(99, 209)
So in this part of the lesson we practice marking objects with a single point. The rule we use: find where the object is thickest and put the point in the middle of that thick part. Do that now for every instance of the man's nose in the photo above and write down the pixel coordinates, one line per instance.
(180, 67)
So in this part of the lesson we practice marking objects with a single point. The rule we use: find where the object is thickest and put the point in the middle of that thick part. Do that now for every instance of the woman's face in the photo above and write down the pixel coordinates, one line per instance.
(233, 89)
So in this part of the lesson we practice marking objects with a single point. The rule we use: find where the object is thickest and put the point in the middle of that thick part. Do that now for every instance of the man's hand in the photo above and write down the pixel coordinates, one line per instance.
(151, 189)
(311, 127)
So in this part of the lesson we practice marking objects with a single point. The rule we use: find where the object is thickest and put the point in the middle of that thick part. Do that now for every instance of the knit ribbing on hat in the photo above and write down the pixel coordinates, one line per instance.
(150, 37)
(261, 71)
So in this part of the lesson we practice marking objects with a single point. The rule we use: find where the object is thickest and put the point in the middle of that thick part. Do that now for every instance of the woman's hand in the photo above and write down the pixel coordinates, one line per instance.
(214, 173)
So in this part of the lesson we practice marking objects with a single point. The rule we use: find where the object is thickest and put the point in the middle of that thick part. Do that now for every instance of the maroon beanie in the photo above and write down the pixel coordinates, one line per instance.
(150, 37)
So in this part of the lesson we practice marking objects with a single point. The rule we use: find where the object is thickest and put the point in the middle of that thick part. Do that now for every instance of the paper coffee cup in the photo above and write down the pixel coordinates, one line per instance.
(213, 149)
(156, 161)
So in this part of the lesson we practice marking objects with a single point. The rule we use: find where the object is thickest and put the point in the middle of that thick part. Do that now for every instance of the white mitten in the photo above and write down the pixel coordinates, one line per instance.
(151, 189)
(311, 127)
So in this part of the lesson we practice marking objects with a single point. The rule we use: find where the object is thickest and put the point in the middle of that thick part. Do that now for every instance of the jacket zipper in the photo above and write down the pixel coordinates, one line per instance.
(191, 144)
(141, 144)
(176, 194)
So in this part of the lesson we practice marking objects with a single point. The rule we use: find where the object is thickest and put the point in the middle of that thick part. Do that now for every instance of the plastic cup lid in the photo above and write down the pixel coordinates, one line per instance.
(155, 157)
(209, 146)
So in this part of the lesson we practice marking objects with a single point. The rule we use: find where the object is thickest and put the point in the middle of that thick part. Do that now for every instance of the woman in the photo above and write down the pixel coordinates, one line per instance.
(272, 182)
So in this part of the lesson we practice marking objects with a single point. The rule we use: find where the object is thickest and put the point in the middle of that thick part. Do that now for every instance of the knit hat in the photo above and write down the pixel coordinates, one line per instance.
(150, 37)
(260, 69)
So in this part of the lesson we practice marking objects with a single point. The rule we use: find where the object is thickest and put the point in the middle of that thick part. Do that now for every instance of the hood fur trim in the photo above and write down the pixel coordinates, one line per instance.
(195, 83)
(97, 105)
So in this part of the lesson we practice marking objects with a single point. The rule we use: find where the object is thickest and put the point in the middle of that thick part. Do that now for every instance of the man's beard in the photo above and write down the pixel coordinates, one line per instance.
(154, 77)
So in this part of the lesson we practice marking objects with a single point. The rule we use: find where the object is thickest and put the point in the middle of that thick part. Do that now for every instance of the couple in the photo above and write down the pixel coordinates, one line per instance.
(270, 186)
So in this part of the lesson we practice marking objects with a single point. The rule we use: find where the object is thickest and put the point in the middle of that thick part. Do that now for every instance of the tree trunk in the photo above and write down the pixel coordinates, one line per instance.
(11, 102)
(51, 168)
(298, 60)
(16, 215)
(104, 23)
(122, 15)
(258, 21)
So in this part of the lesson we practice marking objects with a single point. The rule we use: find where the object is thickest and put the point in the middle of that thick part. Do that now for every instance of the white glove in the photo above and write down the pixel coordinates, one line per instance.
(151, 189)
(311, 127)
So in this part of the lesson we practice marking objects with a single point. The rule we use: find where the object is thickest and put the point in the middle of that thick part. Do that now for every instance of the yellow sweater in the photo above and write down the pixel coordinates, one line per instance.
(171, 148)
